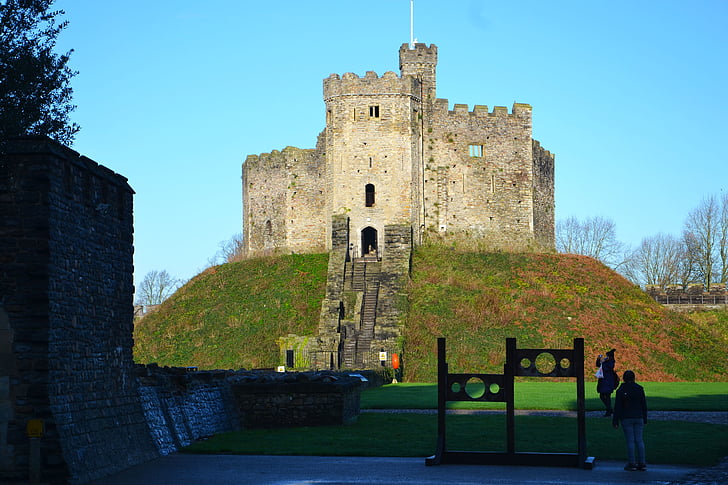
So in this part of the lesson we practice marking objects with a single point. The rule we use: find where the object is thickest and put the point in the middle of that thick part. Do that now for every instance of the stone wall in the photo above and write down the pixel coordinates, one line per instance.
(66, 293)
(181, 407)
(283, 196)
(693, 295)
(305, 399)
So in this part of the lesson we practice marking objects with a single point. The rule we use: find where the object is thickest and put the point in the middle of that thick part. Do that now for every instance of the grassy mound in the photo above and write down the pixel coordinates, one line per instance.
(476, 301)
(231, 315)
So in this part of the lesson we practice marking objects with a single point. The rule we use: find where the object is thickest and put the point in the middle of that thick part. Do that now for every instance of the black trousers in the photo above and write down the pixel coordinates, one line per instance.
(607, 400)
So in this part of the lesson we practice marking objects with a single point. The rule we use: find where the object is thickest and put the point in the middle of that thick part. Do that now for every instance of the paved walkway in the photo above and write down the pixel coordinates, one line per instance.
(182, 469)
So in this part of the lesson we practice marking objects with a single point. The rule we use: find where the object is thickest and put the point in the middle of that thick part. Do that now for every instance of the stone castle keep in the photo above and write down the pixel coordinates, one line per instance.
(393, 154)
(393, 167)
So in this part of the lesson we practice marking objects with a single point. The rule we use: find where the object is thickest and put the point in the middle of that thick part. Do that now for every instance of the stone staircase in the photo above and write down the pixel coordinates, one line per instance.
(357, 344)
(360, 314)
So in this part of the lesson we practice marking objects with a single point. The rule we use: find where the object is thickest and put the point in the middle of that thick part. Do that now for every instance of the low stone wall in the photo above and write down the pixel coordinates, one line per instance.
(182, 406)
(307, 399)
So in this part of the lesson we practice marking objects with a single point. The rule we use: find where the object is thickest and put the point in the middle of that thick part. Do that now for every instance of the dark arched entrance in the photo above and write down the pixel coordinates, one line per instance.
(369, 241)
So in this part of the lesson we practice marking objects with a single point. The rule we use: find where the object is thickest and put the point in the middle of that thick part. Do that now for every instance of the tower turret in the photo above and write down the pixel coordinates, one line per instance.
(420, 62)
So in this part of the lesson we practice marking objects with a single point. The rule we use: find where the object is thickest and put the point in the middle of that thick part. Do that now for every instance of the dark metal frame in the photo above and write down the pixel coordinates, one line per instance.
(519, 362)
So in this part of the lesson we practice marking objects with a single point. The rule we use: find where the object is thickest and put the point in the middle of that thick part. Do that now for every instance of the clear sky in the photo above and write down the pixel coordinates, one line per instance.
(631, 96)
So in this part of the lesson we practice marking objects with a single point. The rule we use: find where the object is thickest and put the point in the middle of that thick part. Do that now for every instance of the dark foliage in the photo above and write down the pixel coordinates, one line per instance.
(35, 96)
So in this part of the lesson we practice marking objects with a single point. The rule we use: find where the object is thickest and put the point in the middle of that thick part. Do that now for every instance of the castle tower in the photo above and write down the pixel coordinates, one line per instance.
(372, 154)
(420, 63)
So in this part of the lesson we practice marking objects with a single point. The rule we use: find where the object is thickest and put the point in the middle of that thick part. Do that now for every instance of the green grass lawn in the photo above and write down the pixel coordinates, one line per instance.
(661, 396)
(412, 435)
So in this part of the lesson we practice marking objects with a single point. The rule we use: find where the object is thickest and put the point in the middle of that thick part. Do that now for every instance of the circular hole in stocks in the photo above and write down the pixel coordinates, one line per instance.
(475, 387)
(545, 363)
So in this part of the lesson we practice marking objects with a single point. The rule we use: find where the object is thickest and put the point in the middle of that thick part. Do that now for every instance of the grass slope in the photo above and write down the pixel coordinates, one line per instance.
(230, 316)
(477, 300)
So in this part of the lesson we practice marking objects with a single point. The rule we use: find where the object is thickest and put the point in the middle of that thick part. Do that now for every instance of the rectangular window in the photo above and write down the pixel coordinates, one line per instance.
(476, 150)
(374, 111)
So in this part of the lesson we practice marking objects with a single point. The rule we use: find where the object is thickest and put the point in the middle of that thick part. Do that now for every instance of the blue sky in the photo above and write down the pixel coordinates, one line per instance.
(630, 95)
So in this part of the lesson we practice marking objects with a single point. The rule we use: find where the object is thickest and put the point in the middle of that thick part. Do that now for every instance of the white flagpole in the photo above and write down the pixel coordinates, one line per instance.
(412, 24)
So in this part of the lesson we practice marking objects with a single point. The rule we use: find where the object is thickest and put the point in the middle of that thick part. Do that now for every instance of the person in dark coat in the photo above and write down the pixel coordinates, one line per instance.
(630, 409)
(608, 382)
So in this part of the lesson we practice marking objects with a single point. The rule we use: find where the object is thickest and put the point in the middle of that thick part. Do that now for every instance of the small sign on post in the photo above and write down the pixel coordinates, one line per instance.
(35, 428)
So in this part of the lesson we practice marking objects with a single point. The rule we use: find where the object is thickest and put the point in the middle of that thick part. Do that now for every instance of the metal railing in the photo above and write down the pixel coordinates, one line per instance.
(329, 360)
(685, 299)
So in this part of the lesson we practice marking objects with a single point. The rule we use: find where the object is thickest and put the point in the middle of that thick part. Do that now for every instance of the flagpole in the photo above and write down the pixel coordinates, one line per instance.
(412, 24)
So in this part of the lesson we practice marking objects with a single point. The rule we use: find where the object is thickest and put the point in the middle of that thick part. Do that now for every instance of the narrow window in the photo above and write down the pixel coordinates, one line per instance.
(492, 184)
(476, 150)
(268, 228)
(374, 111)
(369, 189)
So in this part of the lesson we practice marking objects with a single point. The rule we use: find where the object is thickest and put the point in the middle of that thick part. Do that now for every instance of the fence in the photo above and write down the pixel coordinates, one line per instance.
(686, 299)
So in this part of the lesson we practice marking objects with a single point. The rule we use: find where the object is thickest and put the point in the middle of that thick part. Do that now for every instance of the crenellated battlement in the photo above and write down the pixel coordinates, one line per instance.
(519, 110)
(350, 84)
(420, 55)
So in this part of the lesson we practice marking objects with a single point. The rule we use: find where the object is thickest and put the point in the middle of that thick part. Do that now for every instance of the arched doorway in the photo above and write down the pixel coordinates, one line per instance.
(369, 241)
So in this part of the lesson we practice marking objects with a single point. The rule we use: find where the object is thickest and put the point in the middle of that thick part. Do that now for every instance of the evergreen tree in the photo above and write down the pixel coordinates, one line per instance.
(35, 96)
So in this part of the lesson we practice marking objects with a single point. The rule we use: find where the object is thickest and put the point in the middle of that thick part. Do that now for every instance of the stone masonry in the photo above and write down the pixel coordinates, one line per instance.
(66, 312)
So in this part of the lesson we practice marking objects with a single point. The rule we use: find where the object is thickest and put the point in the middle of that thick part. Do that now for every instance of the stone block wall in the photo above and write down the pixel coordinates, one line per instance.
(66, 294)
(693, 295)
(305, 399)
(181, 407)
(485, 178)
(283, 197)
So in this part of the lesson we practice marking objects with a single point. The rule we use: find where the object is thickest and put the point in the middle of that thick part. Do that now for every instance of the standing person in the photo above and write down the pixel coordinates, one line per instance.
(608, 382)
(630, 408)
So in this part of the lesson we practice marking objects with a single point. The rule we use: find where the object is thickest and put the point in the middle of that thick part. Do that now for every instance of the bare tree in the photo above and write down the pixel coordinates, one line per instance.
(702, 224)
(230, 251)
(723, 238)
(657, 261)
(688, 271)
(156, 287)
(595, 237)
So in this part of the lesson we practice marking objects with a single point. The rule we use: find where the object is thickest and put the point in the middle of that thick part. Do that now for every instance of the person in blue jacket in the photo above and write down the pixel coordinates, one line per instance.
(630, 409)
(608, 382)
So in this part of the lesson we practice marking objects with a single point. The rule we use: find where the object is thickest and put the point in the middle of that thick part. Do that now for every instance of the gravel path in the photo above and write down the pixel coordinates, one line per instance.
(720, 417)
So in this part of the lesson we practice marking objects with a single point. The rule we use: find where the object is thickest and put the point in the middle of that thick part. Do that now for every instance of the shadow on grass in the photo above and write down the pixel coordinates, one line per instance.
(414, 435)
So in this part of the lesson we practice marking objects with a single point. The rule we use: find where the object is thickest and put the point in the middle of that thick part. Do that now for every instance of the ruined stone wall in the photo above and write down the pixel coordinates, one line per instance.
(66, 289)
(302, 400)
(544, 205)
(480, 180)
(393, 277)
(181, 407)
(283, 198)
